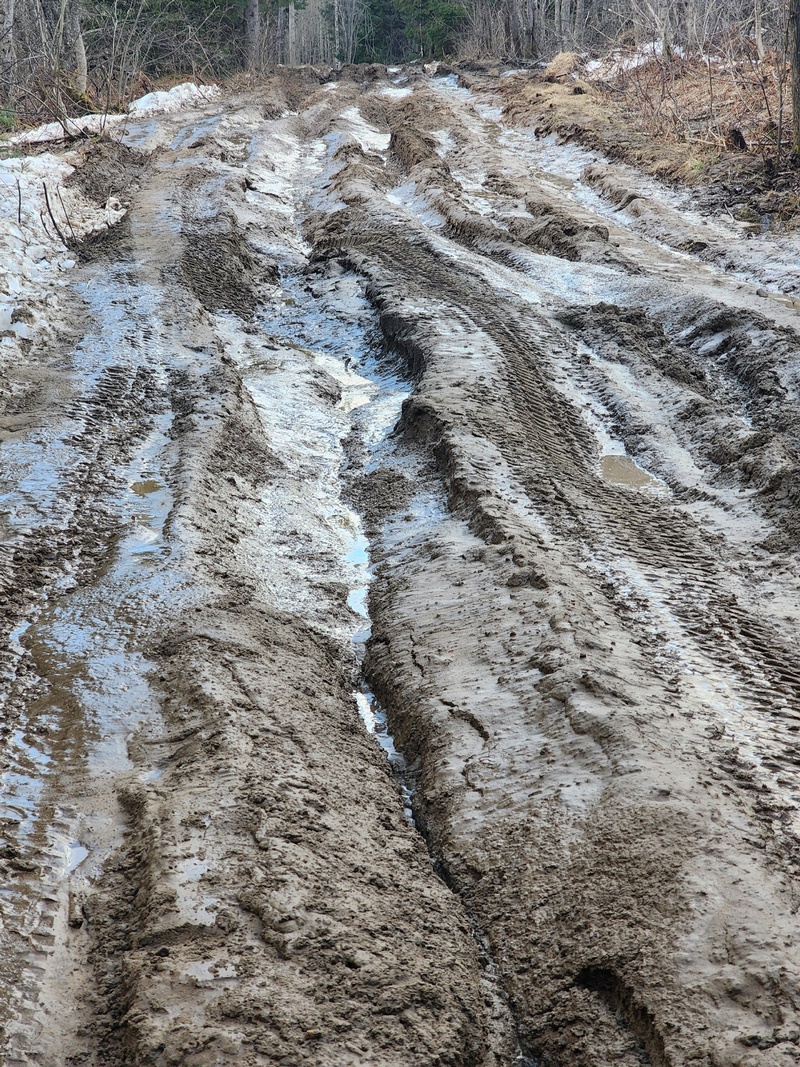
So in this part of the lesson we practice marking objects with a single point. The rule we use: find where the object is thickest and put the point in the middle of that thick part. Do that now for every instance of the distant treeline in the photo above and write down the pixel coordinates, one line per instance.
(62, 51)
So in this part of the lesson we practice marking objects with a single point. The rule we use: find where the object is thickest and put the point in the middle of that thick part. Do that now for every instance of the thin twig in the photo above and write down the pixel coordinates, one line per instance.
(52, 216)
(66, 216)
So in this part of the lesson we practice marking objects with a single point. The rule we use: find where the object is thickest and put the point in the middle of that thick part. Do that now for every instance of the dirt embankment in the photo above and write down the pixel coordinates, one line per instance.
(656, 114)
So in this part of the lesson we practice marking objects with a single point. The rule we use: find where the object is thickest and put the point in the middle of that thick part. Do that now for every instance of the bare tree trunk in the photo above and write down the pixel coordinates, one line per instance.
(565, 27)
(794, 59)
(516, 46)
(252, 35)
(291, 37)
(81, 70)
(531, 28)
(541, 27)
(6, 50)
(336, 49)
(580, 21)
(759, 31)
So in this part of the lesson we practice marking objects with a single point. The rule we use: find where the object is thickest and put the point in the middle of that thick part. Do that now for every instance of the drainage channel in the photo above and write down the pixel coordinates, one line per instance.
(401, 537)
(372, 712)
(324, 342)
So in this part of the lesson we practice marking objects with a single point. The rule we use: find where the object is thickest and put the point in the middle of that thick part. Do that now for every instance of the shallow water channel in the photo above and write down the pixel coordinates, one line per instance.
(324, 340)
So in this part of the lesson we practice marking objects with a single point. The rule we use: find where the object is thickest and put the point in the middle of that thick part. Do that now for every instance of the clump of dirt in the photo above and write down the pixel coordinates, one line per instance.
(376, 110)
(219, 269)
(411, 147)
(556, 233)
(107, 168)
(290, 88)
(218, 266)
(364, 75)
(108, 174)
(112, 243)
(380, 493)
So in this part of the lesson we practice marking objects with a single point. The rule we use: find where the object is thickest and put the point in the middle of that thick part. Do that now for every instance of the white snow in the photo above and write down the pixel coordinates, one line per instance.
(33, 257)
(185, 95)
(395, 92)
(407, 197)
(352, 123)
(621, 61)
(58, 131)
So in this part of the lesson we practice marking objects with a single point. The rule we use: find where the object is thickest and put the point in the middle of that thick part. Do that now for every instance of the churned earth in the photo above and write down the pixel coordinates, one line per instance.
(400, 589)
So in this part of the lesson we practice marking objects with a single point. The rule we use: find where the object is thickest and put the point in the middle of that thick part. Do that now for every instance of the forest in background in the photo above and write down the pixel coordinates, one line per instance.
(63, 56)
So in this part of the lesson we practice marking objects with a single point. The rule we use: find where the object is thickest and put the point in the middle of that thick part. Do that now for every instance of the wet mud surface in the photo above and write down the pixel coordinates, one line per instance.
(401, 602)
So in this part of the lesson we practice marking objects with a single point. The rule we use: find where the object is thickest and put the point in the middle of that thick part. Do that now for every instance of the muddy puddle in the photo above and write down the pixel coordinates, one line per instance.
(622, 470)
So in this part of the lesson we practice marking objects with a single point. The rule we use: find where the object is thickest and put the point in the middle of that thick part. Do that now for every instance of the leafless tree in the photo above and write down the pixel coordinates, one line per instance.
(794, 60)
(6, 51)
(252, 34)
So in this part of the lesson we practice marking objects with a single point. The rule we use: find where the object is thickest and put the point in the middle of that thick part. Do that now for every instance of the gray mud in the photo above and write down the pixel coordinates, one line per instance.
(401, 605)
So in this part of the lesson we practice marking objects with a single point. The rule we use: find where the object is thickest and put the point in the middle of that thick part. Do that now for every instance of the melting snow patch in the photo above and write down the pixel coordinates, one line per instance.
(620, 62)
(68, 127)
(187, 94)
(395, 92)
(32, 254)
(370, 139)
(405, 196)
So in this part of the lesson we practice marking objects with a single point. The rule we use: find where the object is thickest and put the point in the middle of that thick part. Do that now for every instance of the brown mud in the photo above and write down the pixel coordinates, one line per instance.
(579, 534)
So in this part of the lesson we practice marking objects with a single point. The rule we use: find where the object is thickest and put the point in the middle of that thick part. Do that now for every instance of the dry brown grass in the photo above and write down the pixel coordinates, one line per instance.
(588, 113)
(705, 100)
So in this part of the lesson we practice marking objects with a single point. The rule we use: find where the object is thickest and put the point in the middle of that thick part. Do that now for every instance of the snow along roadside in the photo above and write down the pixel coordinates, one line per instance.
(40, 217)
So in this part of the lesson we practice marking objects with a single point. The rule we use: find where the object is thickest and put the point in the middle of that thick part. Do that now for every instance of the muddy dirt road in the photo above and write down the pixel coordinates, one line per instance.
(401, 598)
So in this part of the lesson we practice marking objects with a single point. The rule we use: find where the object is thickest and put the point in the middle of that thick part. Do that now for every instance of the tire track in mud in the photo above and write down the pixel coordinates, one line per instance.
(589, 511)
(577, 501)
(679, 540)
(76, 693)
(434, 307)
(261, 897)
(570, 665)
